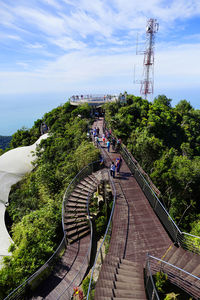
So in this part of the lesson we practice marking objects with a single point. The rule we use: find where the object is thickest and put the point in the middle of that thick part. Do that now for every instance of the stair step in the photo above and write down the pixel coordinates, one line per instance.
(192, 263)
(196, 271)
(75, 215)
(118, 277)
(183, 260)
(131, 268)
(128, 293)
(75, 225)
(119, 285)
(79, 193)
(115, 270)
(128, 273)
(93, 179)
(77, 237)
(76, 231)
(76, 210)
(168, 254)
(131, 263)
(112, 260)
(106, 292)
(88, 182)
(176, 255)
(83, 187)
(129, 285)
(76, 202)
(73, 221)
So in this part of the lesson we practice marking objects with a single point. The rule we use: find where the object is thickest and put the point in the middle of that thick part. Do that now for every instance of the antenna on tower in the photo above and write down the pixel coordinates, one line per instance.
(147, 84)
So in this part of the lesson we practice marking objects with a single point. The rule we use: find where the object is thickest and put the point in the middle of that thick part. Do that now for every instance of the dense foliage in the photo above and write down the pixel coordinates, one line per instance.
(4, 141)
(35, 202)
(166, 142)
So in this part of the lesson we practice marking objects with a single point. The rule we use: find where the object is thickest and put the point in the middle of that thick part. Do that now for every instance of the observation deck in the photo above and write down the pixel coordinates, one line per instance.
(94, 100)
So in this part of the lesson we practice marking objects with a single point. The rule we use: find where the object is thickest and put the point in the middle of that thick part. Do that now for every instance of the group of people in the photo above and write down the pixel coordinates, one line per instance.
(115, 167)
(110, 141)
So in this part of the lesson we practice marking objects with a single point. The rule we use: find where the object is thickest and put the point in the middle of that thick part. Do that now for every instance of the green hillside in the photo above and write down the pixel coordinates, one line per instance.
(164, 140)
(36, 201)
(5, 141)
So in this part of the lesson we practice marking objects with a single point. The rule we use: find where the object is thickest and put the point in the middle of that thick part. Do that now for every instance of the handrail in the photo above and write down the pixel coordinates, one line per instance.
(187, 281)
(86, 258)
(149, 283)
(147, 188)
(173, 266)
(179, 237)
(22, 288)
(105, 235)
(70, 187)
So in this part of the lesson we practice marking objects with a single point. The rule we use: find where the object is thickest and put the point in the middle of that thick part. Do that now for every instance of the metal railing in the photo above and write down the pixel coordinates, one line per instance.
(34, 280)
(107, 232)
(149, 283)
(91, 98)
(185, 240)
(185, 280)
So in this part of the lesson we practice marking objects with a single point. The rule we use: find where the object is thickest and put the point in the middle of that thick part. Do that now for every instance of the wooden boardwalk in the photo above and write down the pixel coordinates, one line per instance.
(136, 229)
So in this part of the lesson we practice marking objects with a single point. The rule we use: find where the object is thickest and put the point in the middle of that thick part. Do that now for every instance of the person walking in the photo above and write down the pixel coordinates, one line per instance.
(118, 163)
(108, 145)
(113, 143)
(103, 138)
(112, 170)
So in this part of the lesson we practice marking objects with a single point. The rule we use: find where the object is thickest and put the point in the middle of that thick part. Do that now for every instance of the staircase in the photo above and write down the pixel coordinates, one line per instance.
(120, 279)
(76, 223)
(186, 261)
(70, 270)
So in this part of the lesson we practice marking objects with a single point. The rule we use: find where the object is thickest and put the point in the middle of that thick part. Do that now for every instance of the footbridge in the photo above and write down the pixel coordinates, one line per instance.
(143, 240)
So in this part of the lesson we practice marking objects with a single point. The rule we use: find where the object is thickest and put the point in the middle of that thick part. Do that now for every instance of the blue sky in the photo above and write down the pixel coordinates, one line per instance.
(51, 49)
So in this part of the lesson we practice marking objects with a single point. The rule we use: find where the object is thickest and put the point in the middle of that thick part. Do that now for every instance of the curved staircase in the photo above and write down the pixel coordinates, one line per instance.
(71, 268)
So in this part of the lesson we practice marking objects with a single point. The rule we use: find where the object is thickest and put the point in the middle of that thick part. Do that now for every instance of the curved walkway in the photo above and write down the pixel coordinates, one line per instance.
(14, 164)
(136, 229)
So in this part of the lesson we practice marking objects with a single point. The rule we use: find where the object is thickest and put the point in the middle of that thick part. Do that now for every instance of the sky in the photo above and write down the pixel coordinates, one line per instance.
(52, 49)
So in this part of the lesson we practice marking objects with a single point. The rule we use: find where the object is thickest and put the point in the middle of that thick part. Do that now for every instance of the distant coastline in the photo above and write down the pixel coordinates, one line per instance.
(5, 141)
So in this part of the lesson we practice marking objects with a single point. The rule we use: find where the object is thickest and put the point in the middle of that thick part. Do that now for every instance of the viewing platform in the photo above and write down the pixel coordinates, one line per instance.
(94, 100)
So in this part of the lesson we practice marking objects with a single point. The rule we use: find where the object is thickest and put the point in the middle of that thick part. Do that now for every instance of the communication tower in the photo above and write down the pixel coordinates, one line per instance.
(148, 70)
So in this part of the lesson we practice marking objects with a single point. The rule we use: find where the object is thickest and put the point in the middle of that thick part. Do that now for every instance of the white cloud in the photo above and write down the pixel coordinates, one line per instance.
(35, 46)
(85, 69)
(46, 22)
(67, 43)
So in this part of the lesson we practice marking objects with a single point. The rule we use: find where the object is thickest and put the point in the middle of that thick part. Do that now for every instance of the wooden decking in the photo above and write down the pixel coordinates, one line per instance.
(136, 229)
